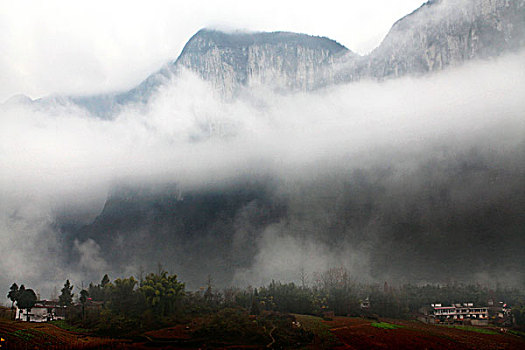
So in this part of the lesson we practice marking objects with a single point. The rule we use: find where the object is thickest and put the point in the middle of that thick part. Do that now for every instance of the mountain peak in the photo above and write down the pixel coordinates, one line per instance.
(18, 99)
(240, 38)
(232, 60)
(443, 33)
(439, 34)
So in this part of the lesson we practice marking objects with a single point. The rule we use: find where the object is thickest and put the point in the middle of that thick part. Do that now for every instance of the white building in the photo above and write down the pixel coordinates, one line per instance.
(459, 313)
(42, 311)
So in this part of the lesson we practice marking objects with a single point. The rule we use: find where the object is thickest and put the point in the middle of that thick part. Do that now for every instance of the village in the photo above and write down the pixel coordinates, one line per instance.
(498, 314)
(495, 313)
(158, 305)
(466, 313)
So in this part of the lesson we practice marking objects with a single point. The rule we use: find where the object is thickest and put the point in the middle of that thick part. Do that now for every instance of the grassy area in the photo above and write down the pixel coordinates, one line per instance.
(66, 326)
(316, 326)
(40, 333)
(23, 334)
(385, 325)
(515, 332)
(474, 329)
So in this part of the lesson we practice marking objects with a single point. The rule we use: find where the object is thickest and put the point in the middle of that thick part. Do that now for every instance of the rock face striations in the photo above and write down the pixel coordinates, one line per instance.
(282, 60)
(443, 33)
(439, 34)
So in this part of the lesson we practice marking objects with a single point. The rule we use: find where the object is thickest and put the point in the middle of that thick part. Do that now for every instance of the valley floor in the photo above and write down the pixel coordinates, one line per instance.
(338, 333)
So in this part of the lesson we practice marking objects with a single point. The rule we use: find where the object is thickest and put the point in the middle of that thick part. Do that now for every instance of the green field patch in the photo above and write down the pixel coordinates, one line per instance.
(515, 332)
(385, 325)
(40, 333)
(68, 327)
(23, 334)
(473, 329)
(319, 328)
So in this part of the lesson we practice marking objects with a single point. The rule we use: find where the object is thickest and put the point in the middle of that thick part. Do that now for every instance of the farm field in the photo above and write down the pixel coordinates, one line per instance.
(357, 333)
(24, 335)
(338, 333)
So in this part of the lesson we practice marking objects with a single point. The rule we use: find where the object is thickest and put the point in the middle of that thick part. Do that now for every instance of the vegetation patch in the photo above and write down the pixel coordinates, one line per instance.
(320, 329)
(68, 327)
(41, 334)
(474, 329)
(233, 326)
(515, 332)
(236, 326)
(385, 325)
(23, 334)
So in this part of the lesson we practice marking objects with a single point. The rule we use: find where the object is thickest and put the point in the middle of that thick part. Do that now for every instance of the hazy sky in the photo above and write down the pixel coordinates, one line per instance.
(78, 47)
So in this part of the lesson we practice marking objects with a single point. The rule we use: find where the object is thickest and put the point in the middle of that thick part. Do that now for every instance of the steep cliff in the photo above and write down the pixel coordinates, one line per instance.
(443, 33)
(439, 34)
(285, 61)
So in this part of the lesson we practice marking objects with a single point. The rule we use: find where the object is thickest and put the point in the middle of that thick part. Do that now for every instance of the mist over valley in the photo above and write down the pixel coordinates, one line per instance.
(267, 156)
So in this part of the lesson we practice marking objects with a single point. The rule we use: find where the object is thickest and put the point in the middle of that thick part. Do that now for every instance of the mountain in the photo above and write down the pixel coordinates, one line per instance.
(439, 34)
(282, 60)
(460, 208)
(453, 219)
(285, 61)
(444, 33)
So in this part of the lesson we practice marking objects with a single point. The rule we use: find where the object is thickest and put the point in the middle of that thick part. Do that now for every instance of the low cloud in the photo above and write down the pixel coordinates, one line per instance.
(59, 161)
(90, 259)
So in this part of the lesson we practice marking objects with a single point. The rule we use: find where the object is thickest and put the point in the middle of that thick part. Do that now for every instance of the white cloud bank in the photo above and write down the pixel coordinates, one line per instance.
(78, 47)
(61, 159)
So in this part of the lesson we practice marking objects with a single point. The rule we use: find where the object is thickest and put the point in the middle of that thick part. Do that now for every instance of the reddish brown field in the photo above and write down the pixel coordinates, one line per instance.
(19, 335)
(357, 333)
(30, 335)
(351, 333)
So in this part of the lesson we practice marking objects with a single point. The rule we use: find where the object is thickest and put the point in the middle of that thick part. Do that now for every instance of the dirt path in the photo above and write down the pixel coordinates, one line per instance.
(271, 336)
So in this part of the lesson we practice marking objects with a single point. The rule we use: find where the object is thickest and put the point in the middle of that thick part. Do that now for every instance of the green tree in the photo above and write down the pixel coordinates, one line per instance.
(518, 311)
(122, 296)
(162, 292)
(26, 299)
(255, 310)
(105, 281)
(66, 297)
(208, 294)
(13, 294)
(83, 299)
(100, 291)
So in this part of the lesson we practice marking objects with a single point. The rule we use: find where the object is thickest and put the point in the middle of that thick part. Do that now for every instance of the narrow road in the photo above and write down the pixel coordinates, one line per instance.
(271, 336)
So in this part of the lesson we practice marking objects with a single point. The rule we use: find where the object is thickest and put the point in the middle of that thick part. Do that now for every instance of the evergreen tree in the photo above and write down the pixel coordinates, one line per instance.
(83, 299)
(13, 294)
(105, 281)
(255, 310)
(66, 298)
(208, 294)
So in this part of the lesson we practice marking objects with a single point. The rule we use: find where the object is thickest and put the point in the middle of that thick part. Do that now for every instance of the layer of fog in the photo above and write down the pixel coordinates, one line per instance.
(60, 160)
(45, 45)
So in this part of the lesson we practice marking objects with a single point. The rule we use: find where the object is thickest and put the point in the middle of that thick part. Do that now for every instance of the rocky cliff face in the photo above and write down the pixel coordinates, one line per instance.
(442, 33)
(285, 61)
(439, 34)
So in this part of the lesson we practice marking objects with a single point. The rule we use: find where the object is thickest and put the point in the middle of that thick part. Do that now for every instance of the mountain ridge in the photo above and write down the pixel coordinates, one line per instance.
(433, 37)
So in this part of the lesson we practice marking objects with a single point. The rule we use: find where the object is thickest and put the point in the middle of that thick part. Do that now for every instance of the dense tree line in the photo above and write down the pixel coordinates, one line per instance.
(160, 298)
(127, 305)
